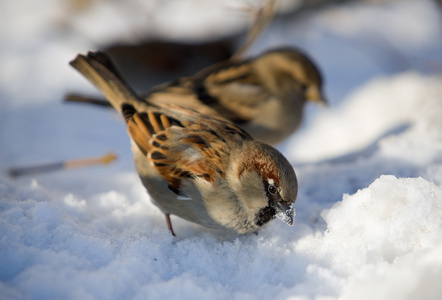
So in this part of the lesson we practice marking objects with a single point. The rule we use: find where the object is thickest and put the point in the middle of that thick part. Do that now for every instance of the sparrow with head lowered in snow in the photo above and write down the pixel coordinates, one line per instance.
(201, 168)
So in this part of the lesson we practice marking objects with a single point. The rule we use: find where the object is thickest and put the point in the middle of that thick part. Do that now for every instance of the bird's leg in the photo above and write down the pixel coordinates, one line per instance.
(169, 224)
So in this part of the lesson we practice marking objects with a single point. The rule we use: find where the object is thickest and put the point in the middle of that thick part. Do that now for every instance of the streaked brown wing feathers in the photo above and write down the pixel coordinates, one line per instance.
(182, 152)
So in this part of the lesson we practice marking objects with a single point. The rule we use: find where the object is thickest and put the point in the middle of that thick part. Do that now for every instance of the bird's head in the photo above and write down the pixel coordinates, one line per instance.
(288, 70)
(265, 184)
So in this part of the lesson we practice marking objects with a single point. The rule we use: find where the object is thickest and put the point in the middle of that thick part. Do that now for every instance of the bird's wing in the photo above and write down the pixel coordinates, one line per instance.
(178, 148)
(232, 89)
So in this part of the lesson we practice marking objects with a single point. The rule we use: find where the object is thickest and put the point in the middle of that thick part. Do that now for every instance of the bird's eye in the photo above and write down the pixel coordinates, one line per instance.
(304, 87)
(272, 189)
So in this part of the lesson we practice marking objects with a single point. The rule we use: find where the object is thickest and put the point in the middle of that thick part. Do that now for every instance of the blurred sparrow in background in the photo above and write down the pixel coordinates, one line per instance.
(265, 95)
(200, 168)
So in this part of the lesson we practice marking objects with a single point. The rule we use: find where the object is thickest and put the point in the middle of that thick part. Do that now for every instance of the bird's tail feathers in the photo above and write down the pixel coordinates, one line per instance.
(99, 69)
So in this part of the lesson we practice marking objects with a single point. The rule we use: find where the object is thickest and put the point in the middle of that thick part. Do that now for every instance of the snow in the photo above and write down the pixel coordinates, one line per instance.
(407, 102)
(369, 211)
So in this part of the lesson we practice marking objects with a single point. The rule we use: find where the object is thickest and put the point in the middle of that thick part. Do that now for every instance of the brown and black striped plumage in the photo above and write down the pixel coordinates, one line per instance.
(203, 169)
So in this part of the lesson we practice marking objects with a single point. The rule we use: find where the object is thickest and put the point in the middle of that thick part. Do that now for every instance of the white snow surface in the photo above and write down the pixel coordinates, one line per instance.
(369, 212)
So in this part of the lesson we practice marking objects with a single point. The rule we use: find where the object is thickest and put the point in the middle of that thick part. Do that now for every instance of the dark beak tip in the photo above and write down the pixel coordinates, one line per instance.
(286, 214)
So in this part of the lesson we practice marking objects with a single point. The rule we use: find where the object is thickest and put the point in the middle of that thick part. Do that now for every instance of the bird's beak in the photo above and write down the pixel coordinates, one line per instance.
(313, 93)
(285, 213)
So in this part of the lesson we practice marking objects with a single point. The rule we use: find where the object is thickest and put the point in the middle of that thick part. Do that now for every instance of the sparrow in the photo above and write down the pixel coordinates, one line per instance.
(264, 96)
(201, 168)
